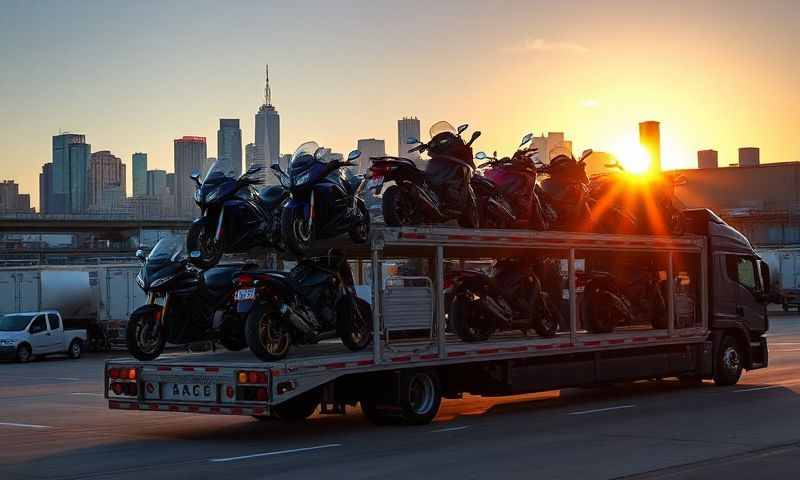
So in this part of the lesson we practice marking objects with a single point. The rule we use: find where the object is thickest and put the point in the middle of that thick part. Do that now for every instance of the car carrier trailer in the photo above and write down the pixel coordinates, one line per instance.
(713, 330)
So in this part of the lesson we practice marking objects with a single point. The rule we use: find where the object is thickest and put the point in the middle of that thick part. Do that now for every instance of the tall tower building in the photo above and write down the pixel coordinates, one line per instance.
(229, 146)
(544, 144)
(106, 185)
(407, 128)
(46, 188)
(70, 170)
(156, 183)
(369, 147)
(650, 139)
(268, 128)
(749, 157)
(190, 154)
(139, 167)
(707, 159)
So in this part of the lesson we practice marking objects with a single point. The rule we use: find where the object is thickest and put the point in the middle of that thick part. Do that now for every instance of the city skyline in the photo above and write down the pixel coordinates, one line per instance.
(727, 81)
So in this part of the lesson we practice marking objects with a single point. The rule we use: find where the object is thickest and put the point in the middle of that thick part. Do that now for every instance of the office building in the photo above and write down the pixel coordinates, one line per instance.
(407, 128)
(268, 128)
(157, 183)
(106, 182)
(229, 146)
(171, 183)
(707, 159)
(46, 188)
(253, 155)
(189, 155)
(749, 157)
(11, 201)
(544, 144)
(70, 174)
(650, 139)
(139, 168)
(369, 147)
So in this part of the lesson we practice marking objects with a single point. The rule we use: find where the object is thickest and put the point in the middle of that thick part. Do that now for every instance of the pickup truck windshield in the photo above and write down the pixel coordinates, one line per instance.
(14, 322)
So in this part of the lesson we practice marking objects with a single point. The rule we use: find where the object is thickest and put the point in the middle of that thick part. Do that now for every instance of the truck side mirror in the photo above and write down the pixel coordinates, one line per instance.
(767, 286)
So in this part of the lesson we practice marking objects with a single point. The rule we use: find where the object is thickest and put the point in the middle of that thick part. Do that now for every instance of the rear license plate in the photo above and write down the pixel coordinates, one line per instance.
(189, 391)
(375, 182)
(245, 294)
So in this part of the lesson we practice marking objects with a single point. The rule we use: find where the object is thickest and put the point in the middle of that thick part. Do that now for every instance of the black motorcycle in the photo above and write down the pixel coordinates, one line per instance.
(236, 216)
(184, 305)
(441, 193)
(513, 298)
(314, 301)
(324, 202)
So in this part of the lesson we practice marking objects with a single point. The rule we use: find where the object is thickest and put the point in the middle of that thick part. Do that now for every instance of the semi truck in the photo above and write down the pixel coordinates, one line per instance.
(715, 286)
(784, 263)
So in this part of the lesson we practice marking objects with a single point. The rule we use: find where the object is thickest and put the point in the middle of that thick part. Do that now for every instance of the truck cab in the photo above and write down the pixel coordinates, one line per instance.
(739, 290)
(26, 335)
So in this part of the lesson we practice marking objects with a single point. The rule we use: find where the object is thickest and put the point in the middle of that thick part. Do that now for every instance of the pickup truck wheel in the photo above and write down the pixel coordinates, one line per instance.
(24, 353)
(75, 349)
(729, 362)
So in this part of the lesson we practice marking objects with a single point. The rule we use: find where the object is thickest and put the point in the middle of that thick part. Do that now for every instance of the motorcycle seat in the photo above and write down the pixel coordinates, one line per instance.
(221, 277)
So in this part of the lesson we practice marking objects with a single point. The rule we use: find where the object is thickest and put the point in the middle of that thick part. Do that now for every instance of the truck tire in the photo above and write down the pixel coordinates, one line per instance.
(267, 334)
(728, 361)
(75, 349)
(464, 321)
(419, 399)
(24, 353)
(298, 408)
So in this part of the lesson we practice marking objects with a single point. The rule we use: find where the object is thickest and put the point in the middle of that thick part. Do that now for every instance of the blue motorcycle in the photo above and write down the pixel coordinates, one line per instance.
(324, 202)
(236, 215)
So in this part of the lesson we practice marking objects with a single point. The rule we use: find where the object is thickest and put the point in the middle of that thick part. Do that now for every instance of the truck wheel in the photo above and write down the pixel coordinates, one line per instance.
(355, 327)
(24, 353)
(298, 408)
(469, 325)
(267, 334)
(420, 397)
(728, 362)
(75, 349)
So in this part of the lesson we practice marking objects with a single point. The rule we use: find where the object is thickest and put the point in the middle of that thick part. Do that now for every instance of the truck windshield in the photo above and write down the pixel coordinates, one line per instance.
(15, 322)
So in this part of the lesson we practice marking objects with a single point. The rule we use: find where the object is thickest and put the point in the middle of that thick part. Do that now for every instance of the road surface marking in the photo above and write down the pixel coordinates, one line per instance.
(88, 394)
(586, 412)
(69, 379)
(21, 425)
(450, 429)
(787, 350)
(279, 452)
(755, 389)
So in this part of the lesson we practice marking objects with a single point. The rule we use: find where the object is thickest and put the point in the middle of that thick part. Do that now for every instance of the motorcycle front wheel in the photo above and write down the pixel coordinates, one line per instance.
(145, 336)
(355, 327)
(469, 325)
(360, 232)
(399, 209)
(296, 231)
(199, 239)
(267, 335)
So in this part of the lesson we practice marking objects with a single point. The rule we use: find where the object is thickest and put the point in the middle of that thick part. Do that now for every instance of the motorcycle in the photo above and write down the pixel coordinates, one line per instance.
(236, 217)
(514, 203)
(442, 192)
(324, 203)
(513, 298)
(184, 305)
(650, 200)
(607, 303)
(314, 301)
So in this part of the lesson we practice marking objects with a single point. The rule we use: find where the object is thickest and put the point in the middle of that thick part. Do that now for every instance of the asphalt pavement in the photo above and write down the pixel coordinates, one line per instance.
(55, 424)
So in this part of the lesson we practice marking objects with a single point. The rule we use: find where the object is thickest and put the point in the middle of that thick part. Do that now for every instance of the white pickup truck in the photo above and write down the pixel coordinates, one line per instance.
(24, 336)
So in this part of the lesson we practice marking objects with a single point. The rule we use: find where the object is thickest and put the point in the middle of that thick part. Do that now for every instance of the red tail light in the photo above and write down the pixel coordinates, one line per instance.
(244, 280)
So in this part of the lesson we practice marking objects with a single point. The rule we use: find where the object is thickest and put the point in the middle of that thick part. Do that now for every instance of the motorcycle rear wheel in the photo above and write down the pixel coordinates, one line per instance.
(197, 240)
(399, 209)
(464, 318)
(355, 332)
(268, 337)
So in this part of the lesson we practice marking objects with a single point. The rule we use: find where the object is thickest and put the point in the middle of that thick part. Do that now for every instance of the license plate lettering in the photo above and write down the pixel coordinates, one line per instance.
(375, 182)
(189, 391)
(245, 294)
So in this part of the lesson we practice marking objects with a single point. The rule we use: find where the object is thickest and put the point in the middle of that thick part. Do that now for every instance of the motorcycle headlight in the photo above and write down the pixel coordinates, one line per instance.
(302, 178)
(212, 195)
(140, 281)
(162, 281)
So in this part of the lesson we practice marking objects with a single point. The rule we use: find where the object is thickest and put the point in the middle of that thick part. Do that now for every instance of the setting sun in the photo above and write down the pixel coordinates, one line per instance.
(632, 155)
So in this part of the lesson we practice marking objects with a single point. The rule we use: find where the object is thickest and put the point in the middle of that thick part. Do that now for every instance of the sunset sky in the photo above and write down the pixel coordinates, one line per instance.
(133, 76)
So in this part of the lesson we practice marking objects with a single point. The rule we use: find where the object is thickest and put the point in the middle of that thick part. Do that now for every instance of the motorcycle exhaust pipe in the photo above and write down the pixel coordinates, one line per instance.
(502, 315)
(294, 319)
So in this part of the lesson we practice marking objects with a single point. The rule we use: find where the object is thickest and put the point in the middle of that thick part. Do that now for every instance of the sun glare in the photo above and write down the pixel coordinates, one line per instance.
(632, 156)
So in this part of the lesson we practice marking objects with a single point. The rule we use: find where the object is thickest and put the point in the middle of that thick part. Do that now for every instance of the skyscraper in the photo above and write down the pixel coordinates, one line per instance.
(139, 167)
(407, 128)
(544, 144)
(157, 183)
(229, 146)
(650, 139)
(369, 147)
(707, 159)
(70, 169)
(45, 188)
(190, 154)
(268, 128)
(106, 182)
(253, 154)
(749, 157)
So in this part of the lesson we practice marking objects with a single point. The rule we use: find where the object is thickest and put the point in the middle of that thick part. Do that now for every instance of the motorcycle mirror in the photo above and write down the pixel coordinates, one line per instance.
(461, 128)
(586, 153)
(412, 141)
(353, 155)
(195, 175)
(474, 137)
(140, 255)
(480, 156)
(527, 138)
